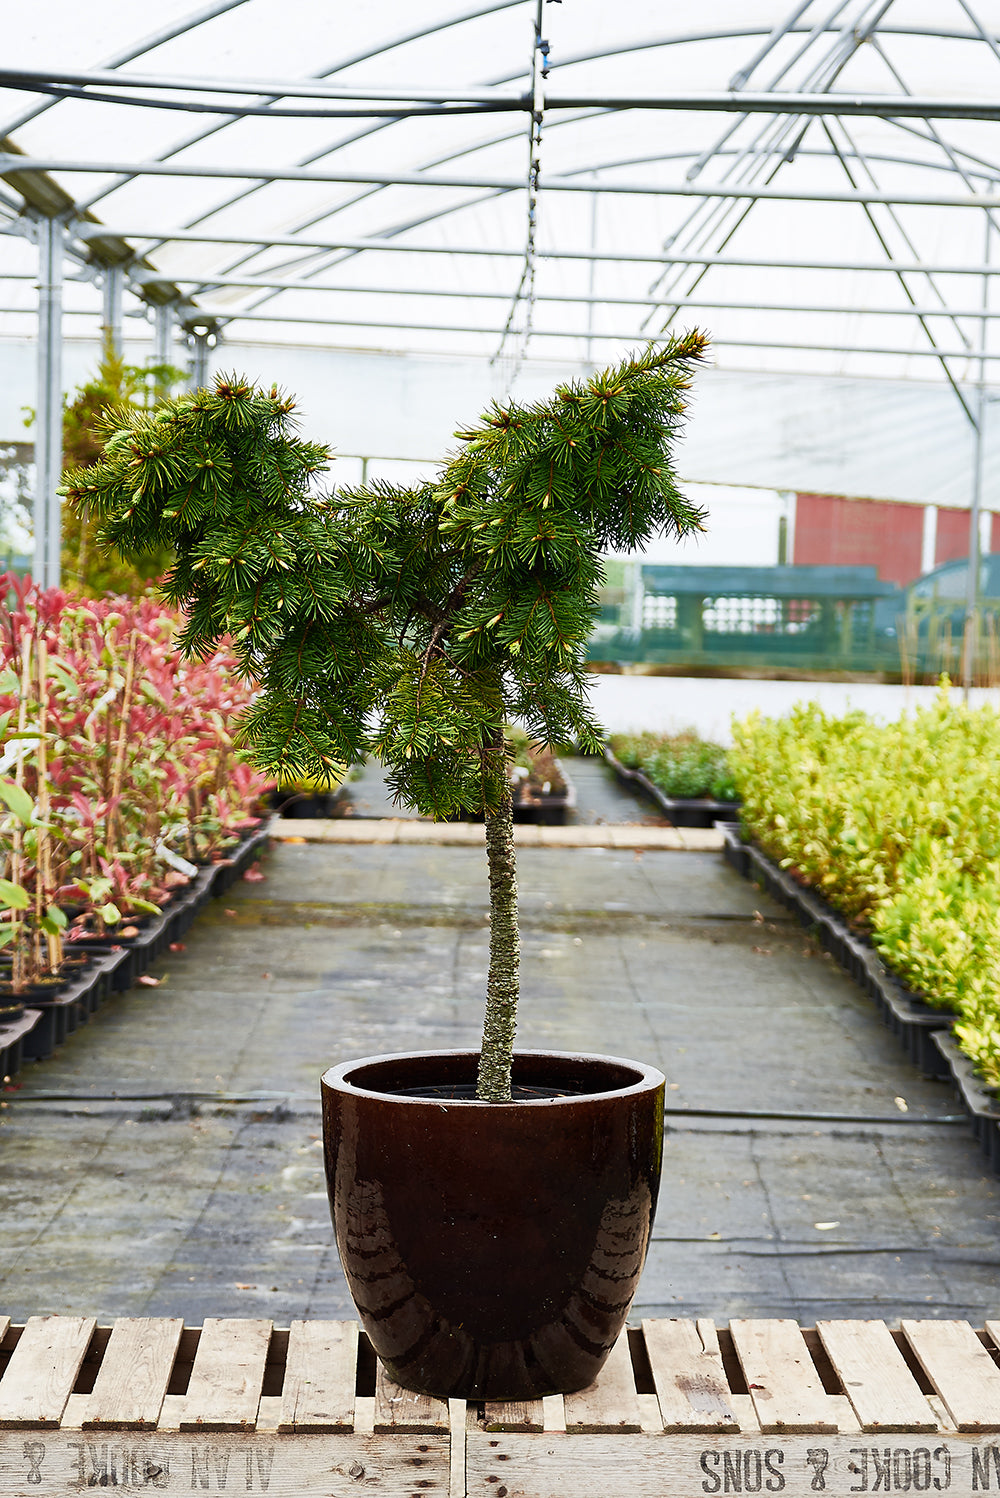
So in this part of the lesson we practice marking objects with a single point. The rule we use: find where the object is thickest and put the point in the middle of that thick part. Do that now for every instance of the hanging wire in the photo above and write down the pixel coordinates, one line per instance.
(514, 339)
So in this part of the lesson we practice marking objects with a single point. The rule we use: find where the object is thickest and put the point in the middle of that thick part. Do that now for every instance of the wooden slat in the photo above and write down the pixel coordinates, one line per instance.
(72, 1415)
(43, 1369)
(172, 1412)
(993, 1332)
(134, 1373)
(364, 1415)
(786, 1390)
(939, 1412)
(612, 1402)
(743, 1408)
(881, 1388)
(320, 1376)
(268, 1413)
(554, 1412)
(227, 1376)
(685, 1465)
(398, 1409)
(457, 1414)
(513, 1414)
(649, 1413)
(961, 1370)
(687, 1372)
(845, 1415)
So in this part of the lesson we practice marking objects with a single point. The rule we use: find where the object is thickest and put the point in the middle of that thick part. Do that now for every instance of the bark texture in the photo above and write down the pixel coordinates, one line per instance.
(503, 983)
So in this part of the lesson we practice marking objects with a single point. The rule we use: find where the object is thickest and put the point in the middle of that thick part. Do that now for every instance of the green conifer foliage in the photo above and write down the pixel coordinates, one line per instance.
(95, 572)
(408, 624)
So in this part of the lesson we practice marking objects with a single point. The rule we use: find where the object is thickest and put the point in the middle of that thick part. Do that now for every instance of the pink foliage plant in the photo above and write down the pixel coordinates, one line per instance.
(125, 752)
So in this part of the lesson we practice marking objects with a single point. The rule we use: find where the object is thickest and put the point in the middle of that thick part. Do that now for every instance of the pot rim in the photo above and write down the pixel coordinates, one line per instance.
(336, 1079)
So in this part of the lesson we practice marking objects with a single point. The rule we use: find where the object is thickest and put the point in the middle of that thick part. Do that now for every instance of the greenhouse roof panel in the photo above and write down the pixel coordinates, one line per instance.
(797, 177)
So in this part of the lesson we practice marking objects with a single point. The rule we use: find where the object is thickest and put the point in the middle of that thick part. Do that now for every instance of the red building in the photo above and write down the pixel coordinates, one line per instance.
(875, 532)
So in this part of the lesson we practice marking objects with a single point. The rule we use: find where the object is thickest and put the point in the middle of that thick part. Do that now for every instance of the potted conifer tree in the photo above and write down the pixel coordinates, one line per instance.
(492, 1208)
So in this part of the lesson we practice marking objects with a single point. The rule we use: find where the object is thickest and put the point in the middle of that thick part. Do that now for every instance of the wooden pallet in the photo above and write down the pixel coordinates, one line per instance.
(682, 1409)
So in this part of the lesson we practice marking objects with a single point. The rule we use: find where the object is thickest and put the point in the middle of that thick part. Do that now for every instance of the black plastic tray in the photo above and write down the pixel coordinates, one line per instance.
(67, 1010)
(12, 1037)
(924, 1032)
(734, 850)
(115, 966)
(698, 812)
(913, 1022)
(226, 872)
(979, 1102)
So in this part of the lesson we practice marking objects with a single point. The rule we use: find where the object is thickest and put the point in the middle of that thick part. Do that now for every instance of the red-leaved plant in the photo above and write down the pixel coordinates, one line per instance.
(114, 755)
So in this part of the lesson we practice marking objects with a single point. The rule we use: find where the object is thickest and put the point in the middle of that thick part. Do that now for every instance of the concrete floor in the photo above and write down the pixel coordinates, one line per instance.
(168, 1161)
(599, 797)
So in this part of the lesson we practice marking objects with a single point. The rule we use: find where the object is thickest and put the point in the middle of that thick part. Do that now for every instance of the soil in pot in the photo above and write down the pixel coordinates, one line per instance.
(493, 1249)
(114, 936)
(36, 991)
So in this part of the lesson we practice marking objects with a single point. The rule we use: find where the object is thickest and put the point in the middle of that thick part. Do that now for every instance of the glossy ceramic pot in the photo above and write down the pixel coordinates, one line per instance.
(493, 1249)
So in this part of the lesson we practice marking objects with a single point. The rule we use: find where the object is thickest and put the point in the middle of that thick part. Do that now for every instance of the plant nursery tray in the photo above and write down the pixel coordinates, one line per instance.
(699, 811)
(681, 1407)
(115, 966)
(305, 804)
(913, 1022)
(12, 1036)
(979, 1101)
(543, 810)
(225, 871)
(137, 953)
(546, 809)
(60, 1016)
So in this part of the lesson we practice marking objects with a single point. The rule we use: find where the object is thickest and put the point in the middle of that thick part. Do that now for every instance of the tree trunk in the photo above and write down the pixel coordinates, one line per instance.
(502, 988)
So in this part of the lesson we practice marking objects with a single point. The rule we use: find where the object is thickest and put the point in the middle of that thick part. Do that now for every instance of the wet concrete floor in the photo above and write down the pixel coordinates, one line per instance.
(168, 1160)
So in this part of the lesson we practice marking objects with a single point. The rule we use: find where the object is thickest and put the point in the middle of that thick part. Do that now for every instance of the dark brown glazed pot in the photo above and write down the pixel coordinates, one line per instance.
(493, 1249)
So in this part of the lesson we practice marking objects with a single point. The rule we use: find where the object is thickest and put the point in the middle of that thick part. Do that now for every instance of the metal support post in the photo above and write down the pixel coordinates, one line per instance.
(928, 542)
(638, 599)
(591, 281)
(974, 590)
(164, 327)
(49, 417)
(114, 282)
(201, 342)
(163, 334)
(972, 613)
(790, 501)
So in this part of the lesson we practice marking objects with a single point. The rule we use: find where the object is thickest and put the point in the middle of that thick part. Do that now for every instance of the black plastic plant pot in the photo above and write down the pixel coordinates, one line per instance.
(493, 1249)
(701, 811)
(696, 811)
(544, 810)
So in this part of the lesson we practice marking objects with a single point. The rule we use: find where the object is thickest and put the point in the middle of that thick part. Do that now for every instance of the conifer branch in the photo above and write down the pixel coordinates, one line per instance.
(346, 608)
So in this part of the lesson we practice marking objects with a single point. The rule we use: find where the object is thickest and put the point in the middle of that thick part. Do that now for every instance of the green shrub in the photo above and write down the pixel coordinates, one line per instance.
(977, 1029)
(681, 765)
(630, 749)
(898, 826)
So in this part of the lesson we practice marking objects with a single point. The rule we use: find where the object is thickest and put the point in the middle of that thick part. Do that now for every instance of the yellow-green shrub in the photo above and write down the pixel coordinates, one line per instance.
(898, 826)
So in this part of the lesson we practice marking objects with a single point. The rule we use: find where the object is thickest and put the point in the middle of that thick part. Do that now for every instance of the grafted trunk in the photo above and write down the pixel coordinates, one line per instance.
(503, 984)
